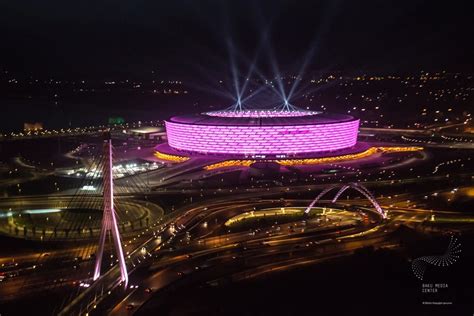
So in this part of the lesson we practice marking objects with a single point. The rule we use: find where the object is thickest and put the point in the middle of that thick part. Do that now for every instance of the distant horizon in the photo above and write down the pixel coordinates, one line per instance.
(156, 74)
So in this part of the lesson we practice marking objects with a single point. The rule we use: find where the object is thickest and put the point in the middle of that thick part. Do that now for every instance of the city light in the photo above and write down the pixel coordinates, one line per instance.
(169, 157)
(313, 161)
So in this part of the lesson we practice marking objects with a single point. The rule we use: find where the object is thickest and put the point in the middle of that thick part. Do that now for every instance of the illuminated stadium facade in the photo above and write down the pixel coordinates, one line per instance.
(262, 133)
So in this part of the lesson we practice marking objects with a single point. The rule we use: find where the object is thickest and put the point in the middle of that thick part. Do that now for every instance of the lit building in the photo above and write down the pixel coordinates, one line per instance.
(147, 132)
(31, 127)
(262, 133)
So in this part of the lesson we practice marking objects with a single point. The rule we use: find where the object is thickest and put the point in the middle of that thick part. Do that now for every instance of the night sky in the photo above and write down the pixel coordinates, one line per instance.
(180, 37)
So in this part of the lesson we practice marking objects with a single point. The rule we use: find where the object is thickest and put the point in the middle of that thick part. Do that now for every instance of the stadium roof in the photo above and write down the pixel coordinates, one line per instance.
(204, 119)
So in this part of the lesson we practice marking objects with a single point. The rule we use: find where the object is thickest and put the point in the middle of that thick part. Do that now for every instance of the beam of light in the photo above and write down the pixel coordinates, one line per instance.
(42, 211)
(264, 31)
(305, 90)
(248, 76)
(252, 69)
(252, 64)
(276, 73)
(297, 90)
(311, 52)
(234, 73)
(301, 71)
(280, 91)
(240, 89)
(211, 77)
(255, 93)
(211, 81)
(240, 84)
(239, 103)
(267, 84)
(215, 91)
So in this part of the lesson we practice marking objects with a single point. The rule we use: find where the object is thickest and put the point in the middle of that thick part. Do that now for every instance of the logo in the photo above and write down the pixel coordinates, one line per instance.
(450, 256)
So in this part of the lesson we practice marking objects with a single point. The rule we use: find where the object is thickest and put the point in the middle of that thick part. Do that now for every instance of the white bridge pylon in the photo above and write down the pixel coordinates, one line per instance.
(356, 186)
(109, 221)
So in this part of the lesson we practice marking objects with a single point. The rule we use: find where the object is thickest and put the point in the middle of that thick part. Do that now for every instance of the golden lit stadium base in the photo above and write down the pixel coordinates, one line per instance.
(292, 162)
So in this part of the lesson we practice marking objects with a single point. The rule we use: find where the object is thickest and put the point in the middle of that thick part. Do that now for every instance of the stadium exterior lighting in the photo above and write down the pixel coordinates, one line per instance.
(262, 132)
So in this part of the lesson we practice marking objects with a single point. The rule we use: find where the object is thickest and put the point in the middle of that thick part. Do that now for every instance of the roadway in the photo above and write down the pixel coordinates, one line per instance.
(253, 254)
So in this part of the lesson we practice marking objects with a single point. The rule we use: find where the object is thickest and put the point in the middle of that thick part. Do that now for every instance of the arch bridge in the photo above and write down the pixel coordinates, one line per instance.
(342, 188)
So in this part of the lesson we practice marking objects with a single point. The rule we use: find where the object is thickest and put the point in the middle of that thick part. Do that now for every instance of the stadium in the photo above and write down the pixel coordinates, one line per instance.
(261, 133)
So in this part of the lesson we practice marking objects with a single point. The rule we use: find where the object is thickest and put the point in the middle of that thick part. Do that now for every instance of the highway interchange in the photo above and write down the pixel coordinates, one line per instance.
(190, 242)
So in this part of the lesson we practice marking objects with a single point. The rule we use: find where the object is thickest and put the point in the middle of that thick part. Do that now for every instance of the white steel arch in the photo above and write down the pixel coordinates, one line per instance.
(356, 186)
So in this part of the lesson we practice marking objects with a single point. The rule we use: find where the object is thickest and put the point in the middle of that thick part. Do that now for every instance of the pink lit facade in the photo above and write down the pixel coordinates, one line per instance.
(282, 138)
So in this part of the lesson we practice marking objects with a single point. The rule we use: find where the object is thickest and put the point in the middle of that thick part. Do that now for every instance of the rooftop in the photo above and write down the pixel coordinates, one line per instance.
(268, 119)
(262, 113)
